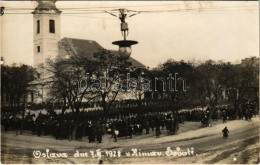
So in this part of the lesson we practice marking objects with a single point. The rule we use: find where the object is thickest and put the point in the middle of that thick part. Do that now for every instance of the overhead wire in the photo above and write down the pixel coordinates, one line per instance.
(84, 16)
(135, 12)
(201, 8)
(102, 7)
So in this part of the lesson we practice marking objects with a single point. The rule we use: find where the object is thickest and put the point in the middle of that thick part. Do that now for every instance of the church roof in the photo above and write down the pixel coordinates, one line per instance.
(73, 46)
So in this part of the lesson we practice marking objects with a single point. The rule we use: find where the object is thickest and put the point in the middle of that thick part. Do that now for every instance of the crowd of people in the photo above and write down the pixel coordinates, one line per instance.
(226, 112)
(120, 123)
(91, 124)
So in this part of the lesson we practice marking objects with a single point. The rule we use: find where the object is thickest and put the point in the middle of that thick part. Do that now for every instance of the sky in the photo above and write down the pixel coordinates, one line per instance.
(190, 30)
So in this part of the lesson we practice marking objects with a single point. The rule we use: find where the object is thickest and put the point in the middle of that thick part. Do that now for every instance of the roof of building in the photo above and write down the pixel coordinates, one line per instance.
(73, 46)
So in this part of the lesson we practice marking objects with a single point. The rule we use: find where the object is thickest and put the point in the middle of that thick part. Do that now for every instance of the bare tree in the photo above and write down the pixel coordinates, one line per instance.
(211, 76)
(15, 84)
(110, 74)
(179, 77)
(67, 78)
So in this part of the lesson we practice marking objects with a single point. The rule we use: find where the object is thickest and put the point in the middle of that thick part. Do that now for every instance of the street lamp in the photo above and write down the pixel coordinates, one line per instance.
(125, 49)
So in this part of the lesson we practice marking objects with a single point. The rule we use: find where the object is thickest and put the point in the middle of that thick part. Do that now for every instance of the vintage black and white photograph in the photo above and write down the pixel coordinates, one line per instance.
(129, 82)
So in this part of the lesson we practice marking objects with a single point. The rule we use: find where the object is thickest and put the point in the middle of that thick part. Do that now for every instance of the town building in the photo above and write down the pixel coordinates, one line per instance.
(48, 44)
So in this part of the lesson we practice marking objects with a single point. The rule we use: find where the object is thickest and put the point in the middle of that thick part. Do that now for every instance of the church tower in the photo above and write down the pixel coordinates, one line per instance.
(46, 31)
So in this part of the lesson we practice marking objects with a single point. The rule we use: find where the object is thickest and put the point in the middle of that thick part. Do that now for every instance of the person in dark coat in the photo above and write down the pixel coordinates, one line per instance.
(69, 131)
(147, 126)
(115, 135)
(90, 135)
(140, 129)
(158, 132)
(225, 133)
(39, 128)
(6, 122)
(224, 118)
(126, 131)
(99, 133)
(130, 129)
(136, 128)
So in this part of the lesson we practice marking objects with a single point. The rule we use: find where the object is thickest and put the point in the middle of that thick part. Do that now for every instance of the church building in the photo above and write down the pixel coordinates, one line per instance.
(47, 43)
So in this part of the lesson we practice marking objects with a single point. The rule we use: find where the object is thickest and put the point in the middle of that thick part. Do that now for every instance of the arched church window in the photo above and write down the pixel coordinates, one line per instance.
(52, 26)
(38, 26)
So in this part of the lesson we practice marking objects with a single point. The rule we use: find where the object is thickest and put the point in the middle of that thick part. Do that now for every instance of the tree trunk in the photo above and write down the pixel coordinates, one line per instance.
(64, 105)
(210, 116)
(139, 101)
(75, 123)
(176, 123)
(236, 107)
(74, 131)
(104, 105)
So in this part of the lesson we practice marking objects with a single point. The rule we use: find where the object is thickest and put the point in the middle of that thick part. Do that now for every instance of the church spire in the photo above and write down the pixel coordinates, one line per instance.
(46, 34)
(46, 6)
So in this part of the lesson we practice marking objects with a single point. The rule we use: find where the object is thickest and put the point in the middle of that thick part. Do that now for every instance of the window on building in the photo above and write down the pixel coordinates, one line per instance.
(38, 26)
(52, 26)
(38, 49)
